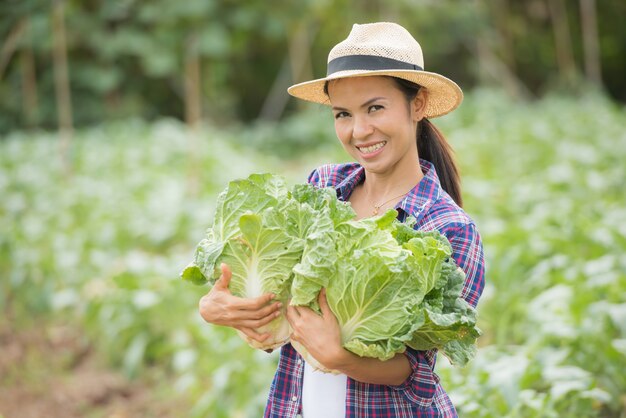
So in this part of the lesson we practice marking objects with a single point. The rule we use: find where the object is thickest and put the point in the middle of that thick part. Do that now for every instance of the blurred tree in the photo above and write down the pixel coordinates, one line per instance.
(224, 60)
(562, 40)
(30, 101)
(61, 81)
(11, 42)
(591, 46)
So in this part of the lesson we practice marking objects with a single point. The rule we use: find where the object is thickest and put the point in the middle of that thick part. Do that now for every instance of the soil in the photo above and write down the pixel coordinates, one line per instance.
(55, 372)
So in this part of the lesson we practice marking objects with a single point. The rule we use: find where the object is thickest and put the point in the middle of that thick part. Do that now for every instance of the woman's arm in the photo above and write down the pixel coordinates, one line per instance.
(467, 252)
(392, 372)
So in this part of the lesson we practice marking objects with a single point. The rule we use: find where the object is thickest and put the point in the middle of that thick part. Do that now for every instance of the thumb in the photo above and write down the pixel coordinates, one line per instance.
(224, 279)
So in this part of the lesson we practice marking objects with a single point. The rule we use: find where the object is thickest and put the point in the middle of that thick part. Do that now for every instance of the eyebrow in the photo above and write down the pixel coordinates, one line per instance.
(367, 103)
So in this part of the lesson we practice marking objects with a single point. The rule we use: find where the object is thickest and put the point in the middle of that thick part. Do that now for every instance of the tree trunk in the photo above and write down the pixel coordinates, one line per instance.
(298, 62)
(193, 111)
(30, 102)
(591, 48)
(388, 11)
(491, 66)
(193, 100)
(501, 16)
(299, 54)
(276, 100)
(9, 46)
(61, 81)
(562, 40)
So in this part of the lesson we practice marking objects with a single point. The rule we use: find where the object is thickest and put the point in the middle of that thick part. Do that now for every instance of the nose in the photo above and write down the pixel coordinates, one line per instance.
(361, 127)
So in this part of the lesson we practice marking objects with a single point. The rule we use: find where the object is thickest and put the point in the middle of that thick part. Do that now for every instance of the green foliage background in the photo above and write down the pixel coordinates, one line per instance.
(99, 247)
(102, 249)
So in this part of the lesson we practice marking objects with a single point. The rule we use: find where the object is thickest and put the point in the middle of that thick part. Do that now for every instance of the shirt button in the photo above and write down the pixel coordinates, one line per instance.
(299, 361)
(294, 398)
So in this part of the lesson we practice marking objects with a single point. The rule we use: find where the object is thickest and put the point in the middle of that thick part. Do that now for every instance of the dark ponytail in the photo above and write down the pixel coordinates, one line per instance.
(432, 146)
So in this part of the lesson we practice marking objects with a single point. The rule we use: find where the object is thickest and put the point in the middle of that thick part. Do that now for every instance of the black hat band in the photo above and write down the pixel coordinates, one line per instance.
(369, 63)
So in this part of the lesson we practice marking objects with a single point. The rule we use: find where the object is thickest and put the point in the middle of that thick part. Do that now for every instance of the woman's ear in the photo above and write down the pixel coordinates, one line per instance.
(418, 105)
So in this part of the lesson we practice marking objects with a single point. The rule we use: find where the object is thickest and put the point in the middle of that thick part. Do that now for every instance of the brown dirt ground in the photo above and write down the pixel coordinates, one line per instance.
(53, 372)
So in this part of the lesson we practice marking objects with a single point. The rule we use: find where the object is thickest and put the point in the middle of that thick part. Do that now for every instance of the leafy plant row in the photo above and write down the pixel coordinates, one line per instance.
(102, 249)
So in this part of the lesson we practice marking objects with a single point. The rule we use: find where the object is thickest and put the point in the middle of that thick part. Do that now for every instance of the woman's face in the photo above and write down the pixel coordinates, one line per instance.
(375, 123)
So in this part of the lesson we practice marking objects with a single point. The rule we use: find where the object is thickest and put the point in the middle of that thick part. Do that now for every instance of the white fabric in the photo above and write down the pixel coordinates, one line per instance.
(323, 394)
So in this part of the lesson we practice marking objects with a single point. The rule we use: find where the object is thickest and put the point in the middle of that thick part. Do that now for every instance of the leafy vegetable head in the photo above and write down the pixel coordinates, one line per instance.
(388, 285)
(251, 234)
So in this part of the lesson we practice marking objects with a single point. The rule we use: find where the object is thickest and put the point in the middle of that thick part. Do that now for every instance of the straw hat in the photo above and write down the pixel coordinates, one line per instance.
(383, 48)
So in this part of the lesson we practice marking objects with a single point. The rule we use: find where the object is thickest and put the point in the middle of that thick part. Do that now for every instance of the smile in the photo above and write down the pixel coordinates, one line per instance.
(372, 148)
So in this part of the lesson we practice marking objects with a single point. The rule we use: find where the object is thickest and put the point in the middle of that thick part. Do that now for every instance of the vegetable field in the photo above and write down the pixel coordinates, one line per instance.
(94, 250)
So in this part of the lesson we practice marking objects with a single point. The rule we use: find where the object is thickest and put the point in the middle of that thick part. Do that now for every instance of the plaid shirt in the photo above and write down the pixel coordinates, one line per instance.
(420, 395)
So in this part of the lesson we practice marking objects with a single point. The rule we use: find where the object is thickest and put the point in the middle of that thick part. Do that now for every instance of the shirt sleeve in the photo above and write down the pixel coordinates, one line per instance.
(420, 387)
(324, 176)
(467, 251)
(314, 178)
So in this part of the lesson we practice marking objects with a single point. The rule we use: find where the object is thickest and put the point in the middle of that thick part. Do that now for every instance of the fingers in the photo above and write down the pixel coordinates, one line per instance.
(323, 302)
(235, 315)
(257, 323)
(293, 314)
(258, 302)
(224, 279)
(269, 310)
(251, 308)
(289, 314)
(293, 311)
(201, 307)
(254, 334)
(219, 306)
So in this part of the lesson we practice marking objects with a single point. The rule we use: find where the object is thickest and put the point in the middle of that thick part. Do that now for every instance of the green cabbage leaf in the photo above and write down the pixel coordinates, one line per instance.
(262, 230)
(249, 234)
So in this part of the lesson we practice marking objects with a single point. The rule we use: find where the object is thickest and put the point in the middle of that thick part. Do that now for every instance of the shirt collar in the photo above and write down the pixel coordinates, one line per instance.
(347, 185)
(425, 192)
(420, 197)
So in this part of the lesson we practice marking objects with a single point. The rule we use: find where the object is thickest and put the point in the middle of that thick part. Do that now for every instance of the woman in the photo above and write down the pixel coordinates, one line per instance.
(381, 98)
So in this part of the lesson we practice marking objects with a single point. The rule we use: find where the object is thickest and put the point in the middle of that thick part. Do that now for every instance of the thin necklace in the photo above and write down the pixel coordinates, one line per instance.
(377, 207)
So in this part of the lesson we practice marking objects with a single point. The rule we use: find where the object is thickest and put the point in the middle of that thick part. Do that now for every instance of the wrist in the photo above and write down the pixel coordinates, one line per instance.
(341, 360)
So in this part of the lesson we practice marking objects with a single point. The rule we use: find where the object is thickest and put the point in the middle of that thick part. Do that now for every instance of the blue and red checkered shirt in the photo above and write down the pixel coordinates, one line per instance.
(420, 395)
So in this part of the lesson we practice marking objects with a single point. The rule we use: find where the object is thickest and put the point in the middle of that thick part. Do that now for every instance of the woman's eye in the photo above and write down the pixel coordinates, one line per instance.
(340, 115)
(374, 108)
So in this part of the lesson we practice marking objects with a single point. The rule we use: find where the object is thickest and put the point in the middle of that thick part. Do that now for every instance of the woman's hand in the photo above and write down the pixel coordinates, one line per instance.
(320, 335)
(220, 307)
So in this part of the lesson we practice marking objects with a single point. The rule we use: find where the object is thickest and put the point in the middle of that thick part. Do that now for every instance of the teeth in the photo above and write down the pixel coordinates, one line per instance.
(373, 148)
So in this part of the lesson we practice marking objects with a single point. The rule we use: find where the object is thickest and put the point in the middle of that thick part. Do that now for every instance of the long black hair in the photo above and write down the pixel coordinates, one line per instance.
(433, 146)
